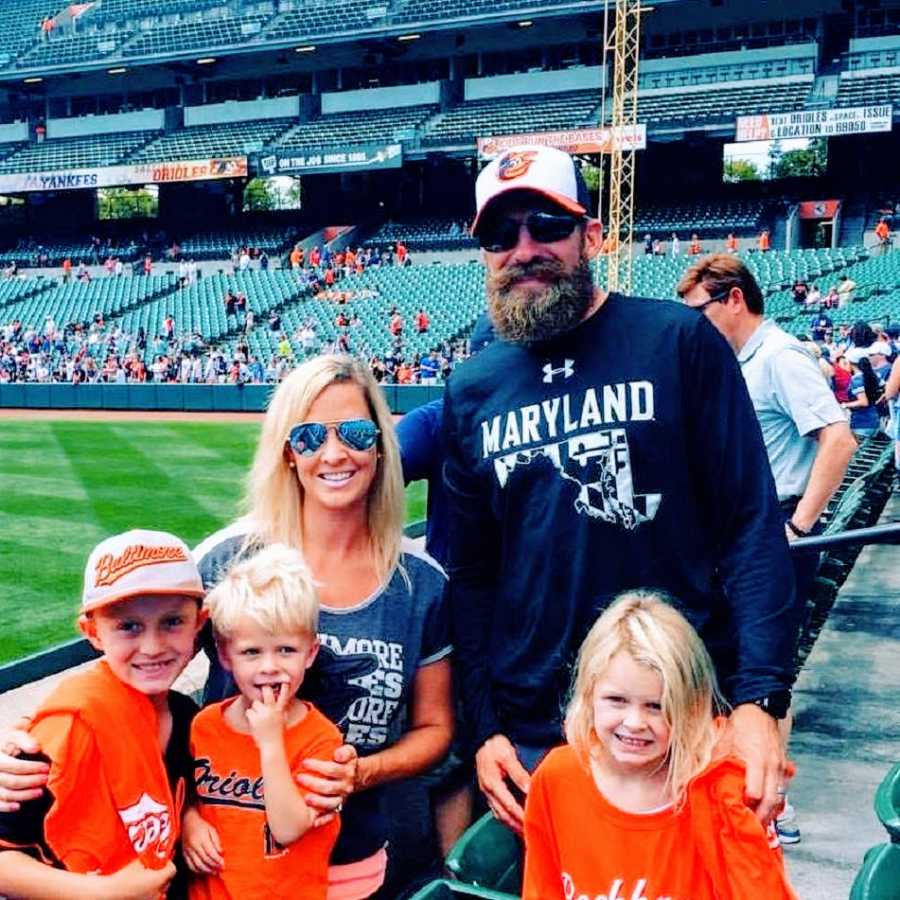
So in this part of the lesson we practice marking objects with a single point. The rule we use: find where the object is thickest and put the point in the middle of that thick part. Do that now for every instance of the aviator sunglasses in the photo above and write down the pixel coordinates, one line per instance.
(357, 434)
(499, 235)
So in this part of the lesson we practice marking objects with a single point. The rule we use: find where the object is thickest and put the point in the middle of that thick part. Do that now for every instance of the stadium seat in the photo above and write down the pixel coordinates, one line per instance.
(444, 889)
(425, 10)
(873, 88)
(202, 35)
(221, 139)
(341, 129)
(887, 803)
(424, 234)
(706, 219)
(722, 103)
(879, 877)
(513, 115)
(487, 855)
(76, 152)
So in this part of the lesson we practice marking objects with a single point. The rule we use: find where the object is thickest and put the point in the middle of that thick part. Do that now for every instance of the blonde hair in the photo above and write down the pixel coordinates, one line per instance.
(274, 497)
(274, 588)
(650, 630)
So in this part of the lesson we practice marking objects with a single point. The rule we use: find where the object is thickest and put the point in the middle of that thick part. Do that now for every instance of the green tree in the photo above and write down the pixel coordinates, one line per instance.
(259, 196)
(811, 161)
(740, 170)
(776, 152)
(593, 176)
(127, 203)
(295, 194)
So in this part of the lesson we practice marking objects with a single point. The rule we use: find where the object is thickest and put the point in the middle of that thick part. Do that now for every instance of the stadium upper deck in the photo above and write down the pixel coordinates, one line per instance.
(142, 84)
(471, 69)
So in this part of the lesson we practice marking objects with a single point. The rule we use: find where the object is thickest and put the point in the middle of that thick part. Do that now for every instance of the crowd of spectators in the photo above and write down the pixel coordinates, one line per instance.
(100, 352)
(695, 247)
(330, 265)
(856, 361)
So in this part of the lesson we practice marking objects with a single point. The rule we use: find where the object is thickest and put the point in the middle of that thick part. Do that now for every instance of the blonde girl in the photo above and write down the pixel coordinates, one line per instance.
(638, 803)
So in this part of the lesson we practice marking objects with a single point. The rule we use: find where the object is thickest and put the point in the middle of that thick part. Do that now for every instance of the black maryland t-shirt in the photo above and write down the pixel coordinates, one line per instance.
(623, 454)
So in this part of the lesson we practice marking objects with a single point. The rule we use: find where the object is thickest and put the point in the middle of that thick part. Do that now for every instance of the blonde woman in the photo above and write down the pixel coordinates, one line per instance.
(640, 776)
(326, 480)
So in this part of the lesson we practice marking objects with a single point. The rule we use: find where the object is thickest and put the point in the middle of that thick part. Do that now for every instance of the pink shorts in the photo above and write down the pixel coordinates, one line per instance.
(358, 880)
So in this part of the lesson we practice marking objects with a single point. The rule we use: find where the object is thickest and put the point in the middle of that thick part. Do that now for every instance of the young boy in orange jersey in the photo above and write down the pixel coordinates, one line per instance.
(251, 833)
(114, 735)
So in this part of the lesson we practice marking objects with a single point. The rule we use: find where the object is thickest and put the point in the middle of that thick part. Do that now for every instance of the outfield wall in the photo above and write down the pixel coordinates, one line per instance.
(197, 398)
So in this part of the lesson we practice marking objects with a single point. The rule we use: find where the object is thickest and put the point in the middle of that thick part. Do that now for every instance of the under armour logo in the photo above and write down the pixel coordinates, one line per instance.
(567, 370)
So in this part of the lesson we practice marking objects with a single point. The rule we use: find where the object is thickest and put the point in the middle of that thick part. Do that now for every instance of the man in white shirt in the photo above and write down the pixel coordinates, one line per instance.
(806, 434)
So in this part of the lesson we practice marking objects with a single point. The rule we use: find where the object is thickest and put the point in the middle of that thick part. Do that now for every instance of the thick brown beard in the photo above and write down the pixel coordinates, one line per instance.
(528, 315)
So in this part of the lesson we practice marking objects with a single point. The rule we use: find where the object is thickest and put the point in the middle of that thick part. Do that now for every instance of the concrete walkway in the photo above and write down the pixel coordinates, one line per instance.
(847, 727)
(846, 734)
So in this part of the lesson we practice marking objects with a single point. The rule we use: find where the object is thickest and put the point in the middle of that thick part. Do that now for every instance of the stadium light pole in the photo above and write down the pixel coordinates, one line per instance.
(625, 47)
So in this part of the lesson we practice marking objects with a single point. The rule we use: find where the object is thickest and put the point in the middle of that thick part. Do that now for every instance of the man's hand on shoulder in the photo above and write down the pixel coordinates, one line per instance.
(21, 780)
(496, 762)
(752, 736)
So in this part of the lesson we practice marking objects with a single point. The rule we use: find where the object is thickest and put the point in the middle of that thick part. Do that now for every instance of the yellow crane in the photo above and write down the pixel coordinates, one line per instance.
(624, 44)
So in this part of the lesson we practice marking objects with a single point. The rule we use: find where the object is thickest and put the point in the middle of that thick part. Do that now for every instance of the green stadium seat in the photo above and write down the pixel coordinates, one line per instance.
(513, 115)
(341, 129)
(887, 803)
(444, 889)
(487, 855)
(879, 877)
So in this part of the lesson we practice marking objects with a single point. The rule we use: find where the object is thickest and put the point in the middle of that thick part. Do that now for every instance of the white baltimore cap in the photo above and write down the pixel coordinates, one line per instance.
(547, 171)
(138, 563)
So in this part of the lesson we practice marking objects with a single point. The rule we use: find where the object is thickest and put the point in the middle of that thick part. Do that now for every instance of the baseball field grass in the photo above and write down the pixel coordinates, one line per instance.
(65, 485)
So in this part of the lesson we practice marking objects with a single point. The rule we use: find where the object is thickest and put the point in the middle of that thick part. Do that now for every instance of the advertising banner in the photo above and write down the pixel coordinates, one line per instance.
(818, 209)
(580, 140)
(813, 123)
(117, 176)
(308, 161)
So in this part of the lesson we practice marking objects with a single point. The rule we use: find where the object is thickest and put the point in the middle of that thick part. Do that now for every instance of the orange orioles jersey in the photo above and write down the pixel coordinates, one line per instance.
(229, 793)
(108, 797)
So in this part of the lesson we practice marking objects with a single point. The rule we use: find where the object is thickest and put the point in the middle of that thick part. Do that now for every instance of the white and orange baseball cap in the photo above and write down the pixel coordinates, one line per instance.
(139, 562)
(547, 171)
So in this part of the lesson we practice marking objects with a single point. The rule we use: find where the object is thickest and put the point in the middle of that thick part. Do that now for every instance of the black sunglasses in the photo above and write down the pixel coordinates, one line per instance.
(499, 235)
(357, 434)
(718, 298)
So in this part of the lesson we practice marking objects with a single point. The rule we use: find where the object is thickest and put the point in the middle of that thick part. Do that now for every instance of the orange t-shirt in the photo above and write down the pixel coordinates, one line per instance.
(731, 243)
(296, 257)
(882, 231)
(109, 792)
(229, 794)
(580, 845)
(763, 241)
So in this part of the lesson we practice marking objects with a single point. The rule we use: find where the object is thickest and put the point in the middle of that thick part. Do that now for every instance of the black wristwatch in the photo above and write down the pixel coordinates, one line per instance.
(796, 529)
(775, 704)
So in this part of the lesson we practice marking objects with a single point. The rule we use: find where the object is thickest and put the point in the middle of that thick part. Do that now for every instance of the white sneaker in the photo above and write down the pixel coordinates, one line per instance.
(786, 825)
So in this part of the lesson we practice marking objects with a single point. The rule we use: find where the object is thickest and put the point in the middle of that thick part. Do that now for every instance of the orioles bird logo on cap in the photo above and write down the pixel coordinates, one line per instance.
(515, 164)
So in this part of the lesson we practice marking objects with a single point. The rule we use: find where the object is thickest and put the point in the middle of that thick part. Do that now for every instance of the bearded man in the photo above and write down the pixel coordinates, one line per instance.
(604, 443)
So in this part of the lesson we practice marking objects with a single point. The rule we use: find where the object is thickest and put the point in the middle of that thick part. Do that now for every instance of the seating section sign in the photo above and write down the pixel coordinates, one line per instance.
(580, 140)
(328, 161)
(813, 123)
(116, 176)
